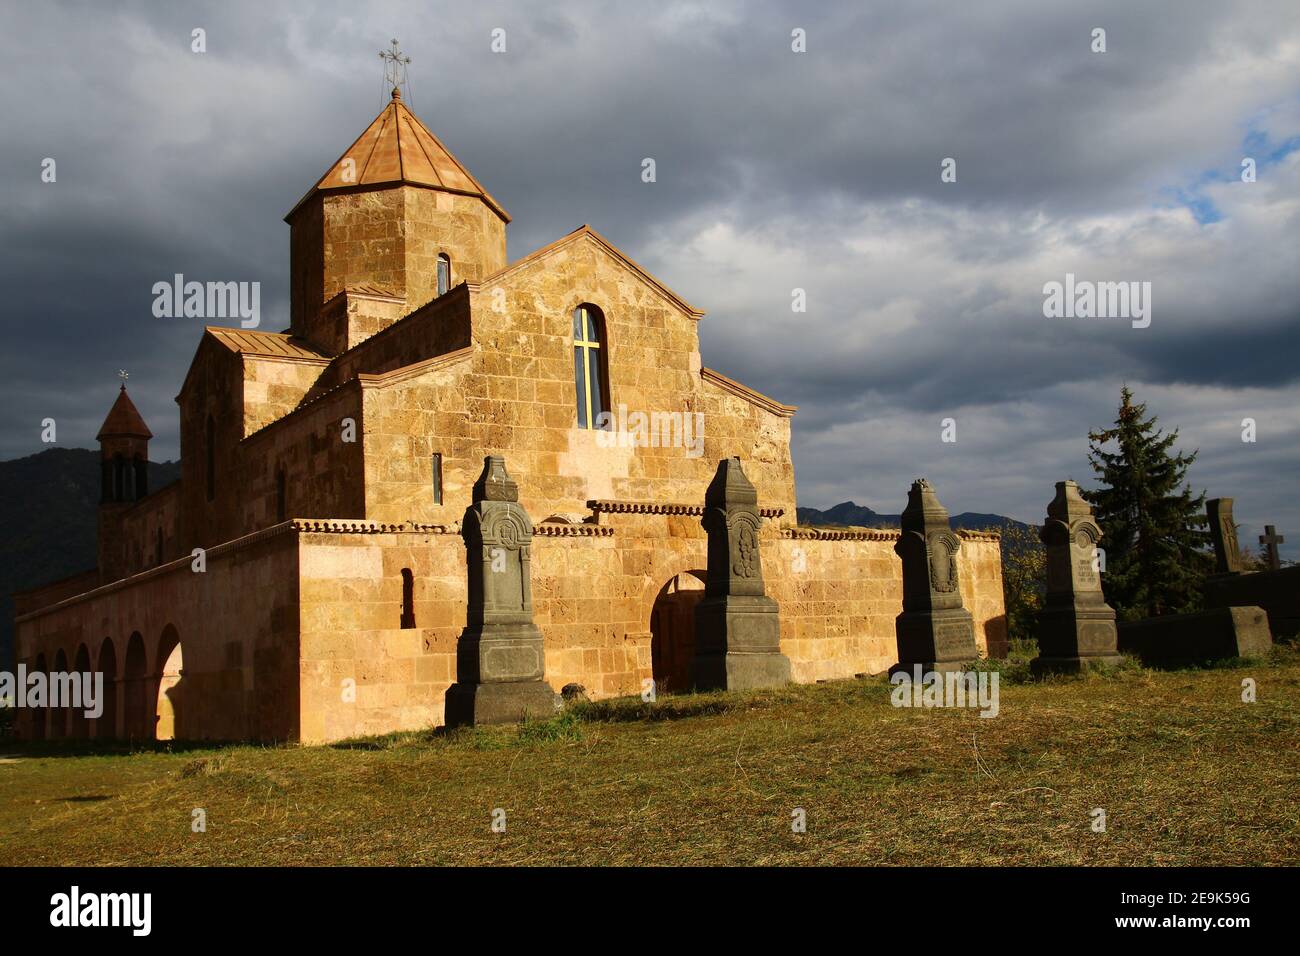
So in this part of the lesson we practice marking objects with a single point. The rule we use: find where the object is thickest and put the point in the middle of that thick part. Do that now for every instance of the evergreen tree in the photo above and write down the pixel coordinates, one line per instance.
(1153, 530)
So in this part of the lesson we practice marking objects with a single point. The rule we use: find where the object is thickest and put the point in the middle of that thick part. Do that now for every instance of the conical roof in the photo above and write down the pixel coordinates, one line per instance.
(397, 148)
(124, 420)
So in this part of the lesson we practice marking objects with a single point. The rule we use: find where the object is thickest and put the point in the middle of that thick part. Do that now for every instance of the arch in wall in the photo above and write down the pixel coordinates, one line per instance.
(672, 630)
(168, 709)
(78, 722)
(40, 718)
(58, 714)
(106, 724)
(137, 722)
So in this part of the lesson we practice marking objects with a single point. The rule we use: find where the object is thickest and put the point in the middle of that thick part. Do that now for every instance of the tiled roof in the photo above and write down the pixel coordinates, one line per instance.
(123, 420)
(277, 344)
(398, 148)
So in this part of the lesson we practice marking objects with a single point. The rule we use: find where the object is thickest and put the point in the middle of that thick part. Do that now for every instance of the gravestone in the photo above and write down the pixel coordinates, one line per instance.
(737, 626)
(1277, 592)
(935, 630)
(1199, 638)
(1227, 552)
(1076, 628)
(500, 660)
(1270, 539)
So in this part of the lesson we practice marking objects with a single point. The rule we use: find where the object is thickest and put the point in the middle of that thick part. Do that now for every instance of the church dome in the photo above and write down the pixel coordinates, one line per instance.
(124, 420)
(398, 149)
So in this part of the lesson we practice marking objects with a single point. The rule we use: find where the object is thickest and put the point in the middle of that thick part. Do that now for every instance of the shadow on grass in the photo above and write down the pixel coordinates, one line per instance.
(33, 749)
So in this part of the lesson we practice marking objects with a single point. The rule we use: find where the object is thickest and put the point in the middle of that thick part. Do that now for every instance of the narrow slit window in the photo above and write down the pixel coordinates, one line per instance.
(437, 477)
(444, 273)
(408, 598)
(211, 451)
(281, 496)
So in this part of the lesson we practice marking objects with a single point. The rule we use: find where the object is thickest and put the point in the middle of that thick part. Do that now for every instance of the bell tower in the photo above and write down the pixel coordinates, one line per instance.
(123, 452)
(124, 479)
(393, 223)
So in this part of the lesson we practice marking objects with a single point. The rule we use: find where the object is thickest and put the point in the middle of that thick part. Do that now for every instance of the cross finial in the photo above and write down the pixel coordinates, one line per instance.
(1270, 539)
(395, 67)
(123, 374)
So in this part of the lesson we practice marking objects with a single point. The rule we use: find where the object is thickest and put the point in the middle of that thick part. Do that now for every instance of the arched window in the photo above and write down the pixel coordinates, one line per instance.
(589, 365)
(141, 467)
(444, 273)
(119, 477)
(211, 440)
(408, 598)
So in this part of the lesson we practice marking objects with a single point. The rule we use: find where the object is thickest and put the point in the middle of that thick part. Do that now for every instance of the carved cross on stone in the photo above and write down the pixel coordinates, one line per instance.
(935, 631)
(1076, 627)
(1227, 553)
(500, 657)
(1270, 539)
(737, 626)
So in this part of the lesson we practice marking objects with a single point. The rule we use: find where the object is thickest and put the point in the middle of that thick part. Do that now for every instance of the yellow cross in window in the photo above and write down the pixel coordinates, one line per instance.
(587, 341)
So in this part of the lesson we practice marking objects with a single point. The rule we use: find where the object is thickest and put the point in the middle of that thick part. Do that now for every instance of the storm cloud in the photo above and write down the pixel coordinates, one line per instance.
(776, 171)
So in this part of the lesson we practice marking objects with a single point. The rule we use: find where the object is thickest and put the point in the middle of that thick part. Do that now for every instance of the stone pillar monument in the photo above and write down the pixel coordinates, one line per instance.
(737, 626)
(935, 630)
(500, 660)
(1227, 553)
(1076, 628)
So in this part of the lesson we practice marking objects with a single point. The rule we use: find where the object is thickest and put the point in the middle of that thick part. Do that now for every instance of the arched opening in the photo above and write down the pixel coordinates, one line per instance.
(119, 477)
(134, 678)
(140, 484)
(106, 723)
(168, 710)
(590, 366)
(40, 719)
(58, 708)
(78, 723)
(672, 630)
(408, 598)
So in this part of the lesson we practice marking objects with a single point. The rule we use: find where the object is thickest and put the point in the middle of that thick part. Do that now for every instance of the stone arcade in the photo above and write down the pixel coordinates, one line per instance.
(329, 471)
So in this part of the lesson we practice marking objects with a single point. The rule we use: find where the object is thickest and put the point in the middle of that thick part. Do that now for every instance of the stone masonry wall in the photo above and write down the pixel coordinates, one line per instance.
(594, 589)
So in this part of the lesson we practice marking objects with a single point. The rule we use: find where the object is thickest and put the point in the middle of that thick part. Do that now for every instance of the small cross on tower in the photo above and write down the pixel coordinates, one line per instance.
(1270, 539)
(123, 374)
(394, 67)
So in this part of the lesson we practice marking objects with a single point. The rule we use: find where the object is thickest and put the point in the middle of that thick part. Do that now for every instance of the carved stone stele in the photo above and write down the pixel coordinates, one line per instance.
(737, 626)
(1076, 628)
(1223, 532)
(935, 630)
(500, 659)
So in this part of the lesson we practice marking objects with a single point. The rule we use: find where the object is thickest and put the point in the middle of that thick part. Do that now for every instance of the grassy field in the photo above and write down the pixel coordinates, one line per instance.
(1185, 771)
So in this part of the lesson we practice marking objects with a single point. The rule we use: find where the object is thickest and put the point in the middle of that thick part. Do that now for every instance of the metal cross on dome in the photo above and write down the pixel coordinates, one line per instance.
(394, 65)
(123, 374)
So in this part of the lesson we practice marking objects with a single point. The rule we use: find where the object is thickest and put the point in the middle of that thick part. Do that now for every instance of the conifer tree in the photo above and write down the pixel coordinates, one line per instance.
(1153, 529)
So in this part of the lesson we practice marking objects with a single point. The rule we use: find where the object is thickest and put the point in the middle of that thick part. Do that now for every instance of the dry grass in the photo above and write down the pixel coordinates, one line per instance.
(1186, 772)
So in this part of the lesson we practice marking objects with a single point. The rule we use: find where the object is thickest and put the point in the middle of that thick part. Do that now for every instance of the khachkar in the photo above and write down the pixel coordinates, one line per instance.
(1076, 628)
(737, 626)
(500, 659)
(935, 631)
(1227, 553)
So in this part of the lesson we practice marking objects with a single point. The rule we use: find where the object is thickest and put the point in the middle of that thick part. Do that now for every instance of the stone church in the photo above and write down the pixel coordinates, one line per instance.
(306, 578)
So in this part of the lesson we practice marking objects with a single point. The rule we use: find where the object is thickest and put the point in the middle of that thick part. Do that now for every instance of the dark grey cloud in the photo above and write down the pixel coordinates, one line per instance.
(775, 171)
